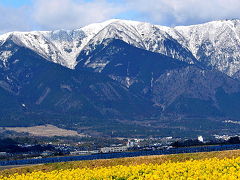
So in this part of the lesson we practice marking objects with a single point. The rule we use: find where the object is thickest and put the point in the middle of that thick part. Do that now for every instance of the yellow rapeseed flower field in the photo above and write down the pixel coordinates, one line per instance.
(216, 169)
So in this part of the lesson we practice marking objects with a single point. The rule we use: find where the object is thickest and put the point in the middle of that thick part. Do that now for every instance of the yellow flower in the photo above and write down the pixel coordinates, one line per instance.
(213, 169)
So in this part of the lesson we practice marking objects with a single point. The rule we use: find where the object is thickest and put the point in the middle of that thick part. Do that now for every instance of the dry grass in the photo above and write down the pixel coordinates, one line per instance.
(122, 161)
(45, 131)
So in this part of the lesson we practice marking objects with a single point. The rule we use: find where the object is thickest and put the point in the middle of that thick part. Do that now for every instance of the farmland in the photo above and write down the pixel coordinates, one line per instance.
(193, 163)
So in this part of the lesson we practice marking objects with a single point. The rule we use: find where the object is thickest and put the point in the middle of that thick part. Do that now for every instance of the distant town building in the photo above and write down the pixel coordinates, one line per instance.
(114, 149)
(200, 138)
(223, 137)
(47, 153)
(84, 152)
(132, 143)
(3, 153)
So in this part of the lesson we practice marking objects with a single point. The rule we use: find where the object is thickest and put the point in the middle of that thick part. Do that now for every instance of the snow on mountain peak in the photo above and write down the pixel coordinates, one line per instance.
(58, 46)
(64, 46)
(214, 43)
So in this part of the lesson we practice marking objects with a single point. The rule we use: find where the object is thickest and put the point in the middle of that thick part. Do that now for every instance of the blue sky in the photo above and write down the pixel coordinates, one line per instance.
(25, 15)
(15, 3)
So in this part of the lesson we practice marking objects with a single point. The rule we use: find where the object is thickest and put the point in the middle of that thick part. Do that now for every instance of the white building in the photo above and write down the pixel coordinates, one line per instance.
(200, 138)
(84, 152)
(3, 154)
(113, 149)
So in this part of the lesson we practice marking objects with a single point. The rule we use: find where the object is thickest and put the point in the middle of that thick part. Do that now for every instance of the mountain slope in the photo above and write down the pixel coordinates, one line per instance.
(195, 84)
(63, 47)
(125, 63)
(123, 77)
(216, 44)
(160, 78)
(44, 92)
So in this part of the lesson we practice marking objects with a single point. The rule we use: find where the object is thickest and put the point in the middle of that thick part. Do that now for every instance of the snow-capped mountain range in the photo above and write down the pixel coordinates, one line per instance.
(216, 44)
(126, 74)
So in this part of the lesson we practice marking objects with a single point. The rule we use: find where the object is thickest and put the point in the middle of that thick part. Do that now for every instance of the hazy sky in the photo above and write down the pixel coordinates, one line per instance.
(24, 15)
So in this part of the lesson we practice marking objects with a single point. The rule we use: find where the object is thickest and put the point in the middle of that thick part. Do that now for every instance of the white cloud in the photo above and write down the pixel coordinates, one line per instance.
(70, 14)
(13, 19)
(56, 14)
(184, 12)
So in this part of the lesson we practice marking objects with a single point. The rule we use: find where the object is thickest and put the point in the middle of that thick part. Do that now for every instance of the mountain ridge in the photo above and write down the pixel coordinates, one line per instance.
(64, 46)
(123, 76)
